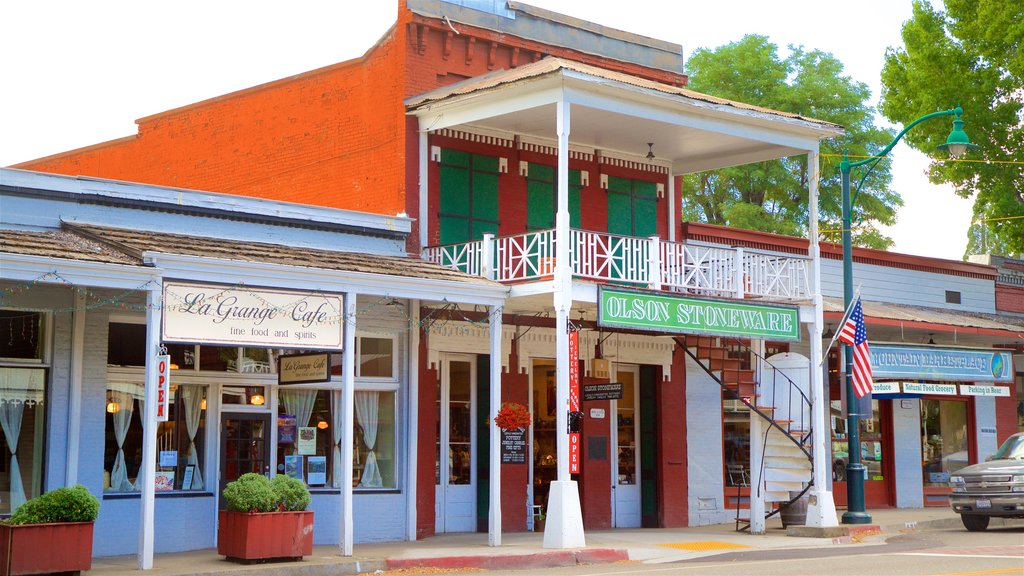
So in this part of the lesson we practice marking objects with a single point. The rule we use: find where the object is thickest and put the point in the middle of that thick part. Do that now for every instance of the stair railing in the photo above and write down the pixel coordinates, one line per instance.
(804, 404)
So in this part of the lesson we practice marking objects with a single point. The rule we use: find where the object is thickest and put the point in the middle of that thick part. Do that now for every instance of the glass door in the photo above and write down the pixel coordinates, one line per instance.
(626, 439)
(944, 445)
(244, 446)
(456, 435)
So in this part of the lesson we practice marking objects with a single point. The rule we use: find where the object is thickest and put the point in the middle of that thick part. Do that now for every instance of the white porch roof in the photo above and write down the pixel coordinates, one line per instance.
(613, 111)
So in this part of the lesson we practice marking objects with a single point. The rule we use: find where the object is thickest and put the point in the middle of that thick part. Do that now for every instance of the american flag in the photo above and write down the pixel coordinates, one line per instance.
(855, 334)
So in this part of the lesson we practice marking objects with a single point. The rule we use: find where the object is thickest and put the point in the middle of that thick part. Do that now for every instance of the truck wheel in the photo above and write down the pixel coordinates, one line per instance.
(974, 523)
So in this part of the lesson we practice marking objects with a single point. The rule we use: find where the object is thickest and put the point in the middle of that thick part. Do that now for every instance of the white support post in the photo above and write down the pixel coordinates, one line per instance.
(494, 516)
(413, 419)
(672, 207)
(348, 376)
(738, 274)
(654, 264)
(564, 527)
(75, 389)
(424, 165)
(147, 472)
(487, 256)
(821, 507)
(758, 428)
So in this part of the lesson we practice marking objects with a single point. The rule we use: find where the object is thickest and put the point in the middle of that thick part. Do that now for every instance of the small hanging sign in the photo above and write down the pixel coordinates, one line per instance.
(163, 388)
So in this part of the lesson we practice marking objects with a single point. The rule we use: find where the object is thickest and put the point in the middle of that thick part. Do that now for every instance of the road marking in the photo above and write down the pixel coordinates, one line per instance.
(704, 546)
(1012, 557)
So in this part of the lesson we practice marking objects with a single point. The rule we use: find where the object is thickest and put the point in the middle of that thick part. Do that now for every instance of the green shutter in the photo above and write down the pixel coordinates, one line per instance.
(575, 185)
(620, 206)
(645, 208)
(540, 197)
(469, 196)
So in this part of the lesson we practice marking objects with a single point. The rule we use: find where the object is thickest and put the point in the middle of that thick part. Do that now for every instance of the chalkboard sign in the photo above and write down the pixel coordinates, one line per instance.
(513, 446)
(611, 391)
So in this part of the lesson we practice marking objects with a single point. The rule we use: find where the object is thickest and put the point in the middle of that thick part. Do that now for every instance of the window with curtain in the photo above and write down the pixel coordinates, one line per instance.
(309, 437)
(181, 441)
(22, 406)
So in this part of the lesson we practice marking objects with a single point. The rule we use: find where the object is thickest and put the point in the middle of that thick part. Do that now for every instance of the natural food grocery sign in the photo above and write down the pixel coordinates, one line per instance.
(687, 315)
(241, 316)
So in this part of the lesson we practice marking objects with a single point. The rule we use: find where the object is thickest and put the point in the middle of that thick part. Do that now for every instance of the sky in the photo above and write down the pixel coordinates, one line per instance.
(79, 73)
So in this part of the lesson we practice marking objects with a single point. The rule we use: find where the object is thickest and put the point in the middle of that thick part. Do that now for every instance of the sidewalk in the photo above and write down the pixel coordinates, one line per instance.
(524, 550)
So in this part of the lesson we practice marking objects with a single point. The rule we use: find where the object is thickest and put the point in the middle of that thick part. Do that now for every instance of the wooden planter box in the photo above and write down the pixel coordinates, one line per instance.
(45, 548)
(253, 537)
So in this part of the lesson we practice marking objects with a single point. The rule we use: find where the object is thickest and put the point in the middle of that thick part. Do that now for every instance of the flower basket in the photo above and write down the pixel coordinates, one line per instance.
(512, 416)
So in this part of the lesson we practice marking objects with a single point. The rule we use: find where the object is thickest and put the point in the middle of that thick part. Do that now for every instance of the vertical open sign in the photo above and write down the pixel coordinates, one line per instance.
(163, 387)
(574, 402)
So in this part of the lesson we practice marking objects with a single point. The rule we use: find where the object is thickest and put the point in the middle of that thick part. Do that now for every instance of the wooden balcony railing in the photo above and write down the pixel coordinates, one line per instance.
(643, 262)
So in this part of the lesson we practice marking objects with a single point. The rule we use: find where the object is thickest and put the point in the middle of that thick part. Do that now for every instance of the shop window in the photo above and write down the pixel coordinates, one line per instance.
(870, 431)
(243, 395)
(22, 427)
(943, 440)
(126, 344)
(309, 437)
(181, 445)
(376, 357)
(736, 436)
(21, 335)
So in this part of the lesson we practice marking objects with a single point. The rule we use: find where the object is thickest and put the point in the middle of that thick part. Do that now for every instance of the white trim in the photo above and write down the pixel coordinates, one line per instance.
(412, 419)
(465, 337)
(80, 272)
(78, 319)
(348, 371)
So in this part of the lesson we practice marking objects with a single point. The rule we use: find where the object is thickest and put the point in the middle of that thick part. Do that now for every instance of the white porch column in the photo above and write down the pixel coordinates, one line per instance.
(348, 381)
(758, 428)
(494, 517)
(413, 419)
(147, 471)
(672, 207)
(75, 389)
(564, 527)
(424, 165)
(821, 507)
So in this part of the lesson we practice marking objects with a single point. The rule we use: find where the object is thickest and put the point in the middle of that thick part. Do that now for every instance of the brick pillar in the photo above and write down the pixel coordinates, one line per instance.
(672, 471)
(426, 445)
(515, 478)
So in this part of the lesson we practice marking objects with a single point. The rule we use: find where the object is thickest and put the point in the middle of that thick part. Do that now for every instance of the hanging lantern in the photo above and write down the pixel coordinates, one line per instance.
(321, 425)
(257, 400)
(113, 407)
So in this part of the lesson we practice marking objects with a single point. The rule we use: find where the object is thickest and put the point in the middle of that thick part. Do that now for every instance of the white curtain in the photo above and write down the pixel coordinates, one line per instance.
(18, 387)
(366, 413)
(122, 420)
(336, 413)
(299, 403)
(192, 399)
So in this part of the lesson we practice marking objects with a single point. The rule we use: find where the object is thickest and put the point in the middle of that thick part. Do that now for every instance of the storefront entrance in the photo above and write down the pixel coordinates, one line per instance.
(875, 454)
(456, 433)
(626, 439)
(945, 447)
(244, 446)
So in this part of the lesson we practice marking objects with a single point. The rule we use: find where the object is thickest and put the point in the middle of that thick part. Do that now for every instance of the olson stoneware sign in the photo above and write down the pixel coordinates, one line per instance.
(687, 315)
(241, 316)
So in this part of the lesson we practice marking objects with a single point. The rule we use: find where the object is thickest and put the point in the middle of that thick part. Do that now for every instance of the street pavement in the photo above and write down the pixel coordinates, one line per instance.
(524, 550)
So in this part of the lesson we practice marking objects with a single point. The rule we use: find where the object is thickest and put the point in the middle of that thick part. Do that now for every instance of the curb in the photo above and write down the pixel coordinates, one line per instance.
(554, 559)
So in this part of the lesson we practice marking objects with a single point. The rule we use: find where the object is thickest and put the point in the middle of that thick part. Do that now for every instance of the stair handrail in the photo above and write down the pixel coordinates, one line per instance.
(681, 341)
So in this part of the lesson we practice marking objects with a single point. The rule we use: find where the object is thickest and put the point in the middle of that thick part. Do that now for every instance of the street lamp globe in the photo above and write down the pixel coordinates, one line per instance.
(957, 143)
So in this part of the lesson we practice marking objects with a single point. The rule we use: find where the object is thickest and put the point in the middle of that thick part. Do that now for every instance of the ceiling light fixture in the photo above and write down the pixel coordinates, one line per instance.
(650, 150)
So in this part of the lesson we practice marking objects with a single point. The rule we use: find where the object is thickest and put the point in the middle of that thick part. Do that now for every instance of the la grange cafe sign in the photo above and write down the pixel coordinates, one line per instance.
(208, 314)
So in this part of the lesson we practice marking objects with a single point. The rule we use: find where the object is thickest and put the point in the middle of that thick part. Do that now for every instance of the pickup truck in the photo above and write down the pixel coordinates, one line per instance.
(992, 488)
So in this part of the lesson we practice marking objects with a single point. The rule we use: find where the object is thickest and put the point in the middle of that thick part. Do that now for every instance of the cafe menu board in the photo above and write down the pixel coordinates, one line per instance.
(513, 446)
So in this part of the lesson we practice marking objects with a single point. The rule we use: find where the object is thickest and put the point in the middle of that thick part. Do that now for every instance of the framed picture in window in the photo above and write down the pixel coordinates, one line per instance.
(186, 478)
(293, 466)
(164, 481)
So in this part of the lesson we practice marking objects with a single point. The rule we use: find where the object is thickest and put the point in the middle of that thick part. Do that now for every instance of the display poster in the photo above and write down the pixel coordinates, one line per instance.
(186, 479)
(164, 481)
(513, 446)
(293, 466)
(307, 440)
(168, 458)
(317, 473)
(286, 429)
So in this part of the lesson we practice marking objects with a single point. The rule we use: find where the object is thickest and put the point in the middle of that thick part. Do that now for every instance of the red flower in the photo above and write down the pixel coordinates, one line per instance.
(512, 416)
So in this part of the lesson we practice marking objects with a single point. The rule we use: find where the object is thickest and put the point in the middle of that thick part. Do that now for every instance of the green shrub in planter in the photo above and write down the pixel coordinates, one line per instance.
(250, 493)
(291, 493)
(74, 504)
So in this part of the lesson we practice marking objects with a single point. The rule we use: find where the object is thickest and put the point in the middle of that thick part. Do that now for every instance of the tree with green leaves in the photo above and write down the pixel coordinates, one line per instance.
(772, 196)
(973, 55)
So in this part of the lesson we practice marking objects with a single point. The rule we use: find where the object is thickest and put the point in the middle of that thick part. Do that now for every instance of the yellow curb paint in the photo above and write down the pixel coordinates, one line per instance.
(704, 546)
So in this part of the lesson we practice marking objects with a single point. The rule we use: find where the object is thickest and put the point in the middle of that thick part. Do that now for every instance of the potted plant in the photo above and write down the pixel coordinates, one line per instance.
(265, 519)
(50, 533)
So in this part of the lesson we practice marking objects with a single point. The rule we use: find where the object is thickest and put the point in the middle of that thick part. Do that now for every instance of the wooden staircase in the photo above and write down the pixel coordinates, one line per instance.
(787, 463)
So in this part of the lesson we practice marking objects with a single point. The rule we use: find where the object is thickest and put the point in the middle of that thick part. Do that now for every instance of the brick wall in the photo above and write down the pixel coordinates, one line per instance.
(1010, 298)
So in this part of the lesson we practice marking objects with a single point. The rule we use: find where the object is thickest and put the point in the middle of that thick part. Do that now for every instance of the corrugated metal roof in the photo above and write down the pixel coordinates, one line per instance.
(552, 65)
(908, 313)
(62, 244)
(136, 242)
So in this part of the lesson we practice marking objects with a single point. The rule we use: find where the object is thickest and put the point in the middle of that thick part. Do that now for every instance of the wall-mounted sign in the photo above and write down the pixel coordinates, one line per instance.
(206, 314)
(163, 388)
(597, 413)
(976, 390)
(574, 402)
(618, 308)
(513, 446)
(924, 388)
(885, 388)
(610, 391)
(304, 368)
(951, 364)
